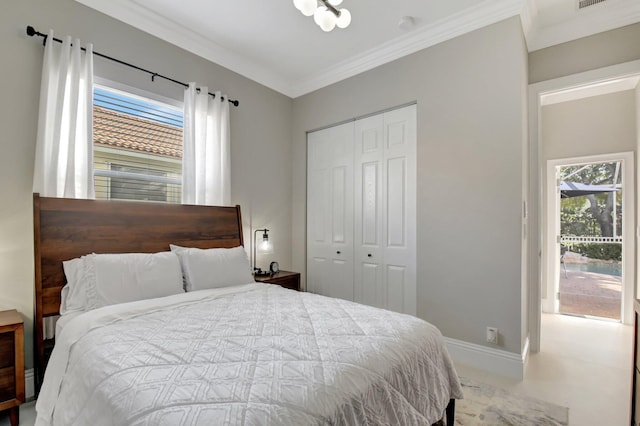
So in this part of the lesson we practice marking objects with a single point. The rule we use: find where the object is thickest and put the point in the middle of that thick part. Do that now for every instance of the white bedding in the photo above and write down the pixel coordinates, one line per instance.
(255, 354)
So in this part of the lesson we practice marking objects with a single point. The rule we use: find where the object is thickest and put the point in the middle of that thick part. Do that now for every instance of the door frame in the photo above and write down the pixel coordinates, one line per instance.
(534, 193)
(551, 253)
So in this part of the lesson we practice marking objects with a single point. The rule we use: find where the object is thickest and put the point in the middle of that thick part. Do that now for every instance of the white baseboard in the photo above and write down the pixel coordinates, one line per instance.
(29, 384)
(496, 361)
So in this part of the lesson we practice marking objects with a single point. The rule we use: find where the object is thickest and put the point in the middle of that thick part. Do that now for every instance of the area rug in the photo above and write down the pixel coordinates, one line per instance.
(486, 405)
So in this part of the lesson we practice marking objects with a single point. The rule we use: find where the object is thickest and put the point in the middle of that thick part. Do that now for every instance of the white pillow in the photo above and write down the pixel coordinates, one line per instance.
(74, 296)
(120, 278)
(98, 280)
(213, 268)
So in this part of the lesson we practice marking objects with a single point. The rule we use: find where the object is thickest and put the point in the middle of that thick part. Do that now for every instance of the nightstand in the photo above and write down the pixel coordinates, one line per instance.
(11, 364)
(285, 279)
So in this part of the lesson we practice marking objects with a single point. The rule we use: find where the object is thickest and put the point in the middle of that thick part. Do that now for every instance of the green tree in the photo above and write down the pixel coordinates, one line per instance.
(600, 206)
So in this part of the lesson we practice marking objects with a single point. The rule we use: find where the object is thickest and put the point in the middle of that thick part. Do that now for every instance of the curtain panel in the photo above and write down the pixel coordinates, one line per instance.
(206, 174)
(64, 146)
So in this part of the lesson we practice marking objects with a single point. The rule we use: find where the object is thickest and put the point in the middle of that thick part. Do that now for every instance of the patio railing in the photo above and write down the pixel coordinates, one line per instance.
(596, 240)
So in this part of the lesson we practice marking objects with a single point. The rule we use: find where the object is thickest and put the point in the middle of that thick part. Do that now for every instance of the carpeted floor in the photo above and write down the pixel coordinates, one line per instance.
(486, 405)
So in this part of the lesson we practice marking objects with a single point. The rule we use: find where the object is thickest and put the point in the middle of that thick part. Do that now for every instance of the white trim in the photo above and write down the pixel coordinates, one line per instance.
(525, 352)
(136, 92)
(607, 16)
(165, 29)
(603, 17)
(497, 361)
(528, 18)
(535, 194)
(485, 13)
(481, 15)
(29, 384)
(606, 87)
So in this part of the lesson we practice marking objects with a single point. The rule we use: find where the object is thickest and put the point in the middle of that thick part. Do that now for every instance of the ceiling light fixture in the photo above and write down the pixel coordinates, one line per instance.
(324, 13)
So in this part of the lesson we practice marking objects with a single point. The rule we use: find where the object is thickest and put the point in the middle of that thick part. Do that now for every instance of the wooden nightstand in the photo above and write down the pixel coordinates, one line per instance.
(285, 279)
(11, 364)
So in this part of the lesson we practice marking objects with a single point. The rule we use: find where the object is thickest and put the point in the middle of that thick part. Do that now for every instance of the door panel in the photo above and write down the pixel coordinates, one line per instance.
(339, 205)
(396, 204)
(368, 278)
(369, 208)
(370, 288)
(400, 180)
(396, 284)
(385, 208)
(315, 283)
(317, 223)
(330, 211)
(342, 275)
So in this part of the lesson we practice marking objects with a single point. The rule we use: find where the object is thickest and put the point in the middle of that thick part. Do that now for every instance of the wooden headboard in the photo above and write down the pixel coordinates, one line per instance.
(68, 228)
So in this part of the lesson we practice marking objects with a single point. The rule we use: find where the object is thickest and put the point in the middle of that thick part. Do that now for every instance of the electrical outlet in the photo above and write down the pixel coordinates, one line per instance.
(492, 335)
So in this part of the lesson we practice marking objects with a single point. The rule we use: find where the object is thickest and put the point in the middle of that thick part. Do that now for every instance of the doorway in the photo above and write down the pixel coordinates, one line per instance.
(614, 78)
(590, 215)
(590, 237)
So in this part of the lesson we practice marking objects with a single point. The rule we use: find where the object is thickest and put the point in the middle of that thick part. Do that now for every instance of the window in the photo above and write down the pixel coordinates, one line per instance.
(134, 183)
(137, 145)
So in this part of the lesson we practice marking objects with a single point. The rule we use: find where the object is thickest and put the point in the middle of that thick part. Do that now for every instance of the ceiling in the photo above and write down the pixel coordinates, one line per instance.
(272, 43)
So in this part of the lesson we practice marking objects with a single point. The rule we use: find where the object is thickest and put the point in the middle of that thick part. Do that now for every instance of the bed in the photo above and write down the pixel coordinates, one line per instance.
(251, 354)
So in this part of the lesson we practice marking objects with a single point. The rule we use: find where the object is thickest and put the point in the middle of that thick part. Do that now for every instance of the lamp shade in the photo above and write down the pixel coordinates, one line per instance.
(265, 246)
(307, 7)
(344, 19)
(325, 19)
(260, 245)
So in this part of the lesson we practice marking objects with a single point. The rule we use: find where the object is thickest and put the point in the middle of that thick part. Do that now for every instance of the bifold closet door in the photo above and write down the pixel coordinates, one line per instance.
(330, 211)
(385, 210)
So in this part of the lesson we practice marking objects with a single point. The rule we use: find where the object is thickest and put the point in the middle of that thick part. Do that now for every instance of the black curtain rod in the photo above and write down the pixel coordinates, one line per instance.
(33, 32)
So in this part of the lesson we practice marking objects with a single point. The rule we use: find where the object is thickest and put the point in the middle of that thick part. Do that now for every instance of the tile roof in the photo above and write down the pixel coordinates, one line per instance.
(114, 129)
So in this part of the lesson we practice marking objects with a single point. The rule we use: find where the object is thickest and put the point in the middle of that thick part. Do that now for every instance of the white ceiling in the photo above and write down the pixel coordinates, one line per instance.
(270, 42)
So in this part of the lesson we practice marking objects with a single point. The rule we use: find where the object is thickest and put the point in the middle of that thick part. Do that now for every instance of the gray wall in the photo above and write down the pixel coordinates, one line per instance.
(590, 126)
(471, 94)
(260, 129)
(596, 125)
(585, 54)
(588, 53)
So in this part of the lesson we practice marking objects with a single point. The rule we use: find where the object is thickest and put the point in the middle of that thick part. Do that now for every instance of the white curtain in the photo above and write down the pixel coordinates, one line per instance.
(64, 147)
(206, 159)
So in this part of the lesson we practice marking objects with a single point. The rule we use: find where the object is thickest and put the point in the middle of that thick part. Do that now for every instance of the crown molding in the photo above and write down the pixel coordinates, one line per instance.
(528, 17)
(595, 19)
(603, 17)
(150, 22)
(594, 89)
(484, 13)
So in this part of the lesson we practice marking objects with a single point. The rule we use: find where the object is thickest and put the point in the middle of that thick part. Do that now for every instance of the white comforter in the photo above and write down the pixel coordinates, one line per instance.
(249, 355)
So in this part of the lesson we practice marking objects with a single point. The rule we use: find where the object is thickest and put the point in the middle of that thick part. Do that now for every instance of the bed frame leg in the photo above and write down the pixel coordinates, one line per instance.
(450, 412)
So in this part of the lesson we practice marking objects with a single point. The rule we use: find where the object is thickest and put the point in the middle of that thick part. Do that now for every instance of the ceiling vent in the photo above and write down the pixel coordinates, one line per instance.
(586, 3)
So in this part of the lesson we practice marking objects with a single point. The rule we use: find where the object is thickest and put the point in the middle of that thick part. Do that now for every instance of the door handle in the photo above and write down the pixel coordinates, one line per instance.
(369, 255)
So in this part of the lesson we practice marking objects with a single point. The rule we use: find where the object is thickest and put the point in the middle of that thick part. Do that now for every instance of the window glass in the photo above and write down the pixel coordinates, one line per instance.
(137, 147)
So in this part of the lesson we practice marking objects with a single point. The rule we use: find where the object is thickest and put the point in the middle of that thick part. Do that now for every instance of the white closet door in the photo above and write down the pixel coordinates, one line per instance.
(369, 212)
(330, 212)
(385, 210)
(399, 177)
